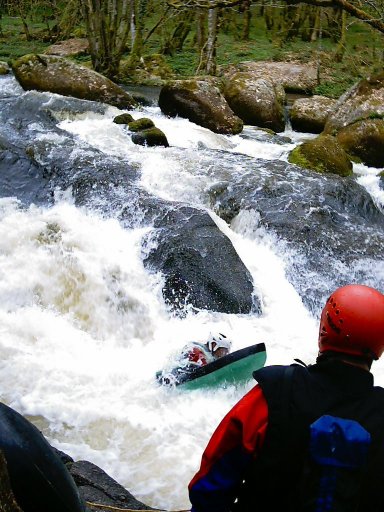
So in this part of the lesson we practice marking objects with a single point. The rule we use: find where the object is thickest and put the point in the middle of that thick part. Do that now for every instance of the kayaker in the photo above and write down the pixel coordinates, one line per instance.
(274, 450)
(199, 354)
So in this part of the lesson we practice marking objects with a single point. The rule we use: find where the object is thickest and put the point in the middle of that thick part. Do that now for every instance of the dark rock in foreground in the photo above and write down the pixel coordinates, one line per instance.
(95, 486)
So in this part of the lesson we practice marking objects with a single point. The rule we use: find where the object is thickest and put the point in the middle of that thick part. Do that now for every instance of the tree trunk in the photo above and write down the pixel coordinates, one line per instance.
(247, 15)
(107, 24)
(200, 30)
(175, 42)
(340, 50)
(208, 55)
(316, 26)
(137, 21)
(293, 21)
(23, 18)
(69, 18)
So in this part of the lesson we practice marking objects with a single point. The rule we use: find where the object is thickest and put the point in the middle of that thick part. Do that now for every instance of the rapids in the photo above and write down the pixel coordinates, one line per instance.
(84, 326)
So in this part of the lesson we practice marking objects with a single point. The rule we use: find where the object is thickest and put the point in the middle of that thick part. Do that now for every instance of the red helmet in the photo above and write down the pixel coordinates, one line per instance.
(352, 321)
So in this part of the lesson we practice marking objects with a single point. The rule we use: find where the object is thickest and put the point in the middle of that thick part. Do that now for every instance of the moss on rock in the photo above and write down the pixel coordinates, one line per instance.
(141, 124)
(150, 137)
(123, 119)
(324, 155)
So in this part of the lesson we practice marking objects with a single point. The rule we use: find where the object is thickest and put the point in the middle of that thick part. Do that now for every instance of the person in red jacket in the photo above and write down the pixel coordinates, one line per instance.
(254, 460)
(199, 354)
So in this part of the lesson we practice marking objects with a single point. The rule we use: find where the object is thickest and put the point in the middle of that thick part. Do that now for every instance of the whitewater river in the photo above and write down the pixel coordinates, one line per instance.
(84, 328)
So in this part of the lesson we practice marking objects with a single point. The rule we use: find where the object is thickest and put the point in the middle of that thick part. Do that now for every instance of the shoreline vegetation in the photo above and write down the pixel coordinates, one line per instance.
(344, 49)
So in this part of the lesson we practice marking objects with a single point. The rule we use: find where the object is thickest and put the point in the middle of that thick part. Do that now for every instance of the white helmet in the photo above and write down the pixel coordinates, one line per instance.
(220, 341)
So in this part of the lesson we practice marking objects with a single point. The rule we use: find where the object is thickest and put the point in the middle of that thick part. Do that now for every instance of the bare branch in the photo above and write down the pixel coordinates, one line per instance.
(346, 5)
(202, 4)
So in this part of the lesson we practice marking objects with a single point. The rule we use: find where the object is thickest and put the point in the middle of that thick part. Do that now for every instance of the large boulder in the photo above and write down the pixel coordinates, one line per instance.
(69, 47)
(364, 139)
(360, 105)
(61, 76)
(310, 114)
(256, 101)
(22, 176)
(332, 223)
(201, 267)
(293, 76)
(323, 155)
(362, 101)
(202, 103)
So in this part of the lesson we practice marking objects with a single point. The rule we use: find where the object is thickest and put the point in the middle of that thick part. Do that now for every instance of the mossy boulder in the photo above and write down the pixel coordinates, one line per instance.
(202, 103)
(364, 140)
(150, 137)
(310, 114)
(322, 154)
(295, 77)
(257, 101)
(364, 100)
(152, 70)
(141, 124)
(123, 119)
(357, 120)
(61, 76)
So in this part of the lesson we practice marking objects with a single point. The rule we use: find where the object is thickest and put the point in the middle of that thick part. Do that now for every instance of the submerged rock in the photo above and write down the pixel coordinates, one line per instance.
(22, 176)
(200, 265)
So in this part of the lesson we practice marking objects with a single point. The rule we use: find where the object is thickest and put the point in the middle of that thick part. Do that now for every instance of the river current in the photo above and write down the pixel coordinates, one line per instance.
(83, 325)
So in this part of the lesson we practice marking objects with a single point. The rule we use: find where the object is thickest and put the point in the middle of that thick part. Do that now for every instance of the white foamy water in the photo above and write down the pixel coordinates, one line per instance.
(84, 327)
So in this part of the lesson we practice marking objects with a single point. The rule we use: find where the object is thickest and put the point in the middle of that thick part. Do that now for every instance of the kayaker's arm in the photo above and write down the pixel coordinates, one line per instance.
(236, 441)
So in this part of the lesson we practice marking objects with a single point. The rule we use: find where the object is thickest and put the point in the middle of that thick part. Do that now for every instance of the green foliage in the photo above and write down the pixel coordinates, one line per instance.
(13, 42)
(334, 88)
(363, 52)
(183, 63)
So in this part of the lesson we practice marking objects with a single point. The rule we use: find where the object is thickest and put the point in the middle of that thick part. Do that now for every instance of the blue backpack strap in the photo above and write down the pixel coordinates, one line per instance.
(340, 447)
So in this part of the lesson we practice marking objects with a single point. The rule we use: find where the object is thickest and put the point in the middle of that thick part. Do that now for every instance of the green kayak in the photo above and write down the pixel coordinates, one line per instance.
(233, 368)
